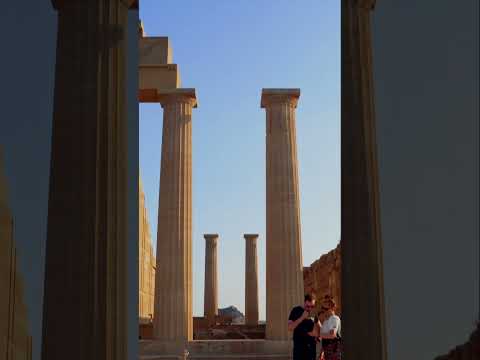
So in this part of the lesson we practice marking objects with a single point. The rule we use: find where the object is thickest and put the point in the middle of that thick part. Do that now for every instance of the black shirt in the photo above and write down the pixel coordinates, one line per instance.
(300, 334)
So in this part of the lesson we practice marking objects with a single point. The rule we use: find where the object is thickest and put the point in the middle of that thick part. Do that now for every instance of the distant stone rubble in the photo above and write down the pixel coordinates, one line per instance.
(231, 312)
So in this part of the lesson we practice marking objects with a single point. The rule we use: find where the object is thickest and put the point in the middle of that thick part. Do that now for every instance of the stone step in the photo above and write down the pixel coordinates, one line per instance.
(217, 350)
(239, 357)
(217, 357)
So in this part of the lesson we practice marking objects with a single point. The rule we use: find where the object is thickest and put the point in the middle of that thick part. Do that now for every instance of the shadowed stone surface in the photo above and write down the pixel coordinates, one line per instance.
(361, 243)
(86, 256)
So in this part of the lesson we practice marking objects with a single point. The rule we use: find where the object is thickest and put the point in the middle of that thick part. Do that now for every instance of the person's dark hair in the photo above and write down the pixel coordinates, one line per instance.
(329, 303)
(309, 297)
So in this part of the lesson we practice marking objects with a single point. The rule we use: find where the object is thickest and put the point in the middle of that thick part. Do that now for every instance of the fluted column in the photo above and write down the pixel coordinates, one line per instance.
(173, 320)
(86, 248)
(251, 279)
(211, 278)
(361, 242)
(284, 245)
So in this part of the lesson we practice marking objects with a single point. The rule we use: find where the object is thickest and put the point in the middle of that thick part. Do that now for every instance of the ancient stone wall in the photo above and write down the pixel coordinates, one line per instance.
(146, 263)
(15, 340)
(322, 277)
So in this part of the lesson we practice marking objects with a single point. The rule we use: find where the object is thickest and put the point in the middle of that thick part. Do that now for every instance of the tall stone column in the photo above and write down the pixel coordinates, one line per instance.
(284, 245)
(251, 279)
(173, 320)
(86, 247)
(211, 278)
(362, 276)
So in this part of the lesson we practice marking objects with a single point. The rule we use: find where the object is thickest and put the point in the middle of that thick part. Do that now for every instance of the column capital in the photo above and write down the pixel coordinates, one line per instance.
(211, 237)
(178, 96)
(250, 236)
(283, 96)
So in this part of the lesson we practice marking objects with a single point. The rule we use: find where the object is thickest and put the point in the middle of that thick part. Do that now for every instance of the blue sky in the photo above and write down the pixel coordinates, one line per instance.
(228, 51)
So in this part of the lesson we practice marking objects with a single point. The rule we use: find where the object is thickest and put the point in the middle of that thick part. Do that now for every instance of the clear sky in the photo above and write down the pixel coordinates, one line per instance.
(228, 51)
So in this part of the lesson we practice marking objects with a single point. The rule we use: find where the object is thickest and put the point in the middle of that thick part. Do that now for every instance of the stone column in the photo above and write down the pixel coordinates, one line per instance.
(361, 243)
(173, 320)
(251, 279)
(211, 278)
(284, 245)
(86, 247)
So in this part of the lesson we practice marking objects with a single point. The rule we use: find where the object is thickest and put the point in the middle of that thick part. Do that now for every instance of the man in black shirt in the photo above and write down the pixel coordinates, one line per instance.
(302, 325)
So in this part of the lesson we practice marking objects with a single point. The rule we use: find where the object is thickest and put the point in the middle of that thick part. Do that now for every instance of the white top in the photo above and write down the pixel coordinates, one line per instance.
(333, 322)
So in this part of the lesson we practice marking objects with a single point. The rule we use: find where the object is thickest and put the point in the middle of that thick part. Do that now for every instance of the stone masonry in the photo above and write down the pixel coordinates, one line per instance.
(323, 276)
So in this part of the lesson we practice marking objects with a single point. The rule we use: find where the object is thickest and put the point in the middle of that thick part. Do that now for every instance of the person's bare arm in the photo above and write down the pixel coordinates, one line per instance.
(293, 324)
(316, 330)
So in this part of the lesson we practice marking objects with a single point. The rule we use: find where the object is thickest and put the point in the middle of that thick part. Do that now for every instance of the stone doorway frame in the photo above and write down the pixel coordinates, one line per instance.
(360, 220)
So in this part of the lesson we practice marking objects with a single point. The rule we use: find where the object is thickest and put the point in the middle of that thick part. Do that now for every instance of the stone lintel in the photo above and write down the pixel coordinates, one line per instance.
(210, 236)
(186, 94)
(158, 77)
(270, 96)
(250, 236)
(154, 50)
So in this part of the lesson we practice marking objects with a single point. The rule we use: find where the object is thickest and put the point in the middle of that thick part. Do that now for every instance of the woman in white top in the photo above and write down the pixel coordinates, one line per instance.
(330, 331)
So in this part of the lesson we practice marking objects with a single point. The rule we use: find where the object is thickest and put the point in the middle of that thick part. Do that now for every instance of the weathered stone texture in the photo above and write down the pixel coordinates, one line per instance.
(15, 341)
(284, 281)
(173, 321)
(146, 263)
(86, 255)
(323, 277)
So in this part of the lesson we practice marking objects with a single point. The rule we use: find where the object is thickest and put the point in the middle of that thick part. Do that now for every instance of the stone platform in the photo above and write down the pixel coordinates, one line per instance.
(216, 349)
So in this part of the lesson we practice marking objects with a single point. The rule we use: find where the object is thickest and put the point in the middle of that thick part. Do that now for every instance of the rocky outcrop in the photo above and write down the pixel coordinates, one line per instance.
(323, 276)
(232, 313)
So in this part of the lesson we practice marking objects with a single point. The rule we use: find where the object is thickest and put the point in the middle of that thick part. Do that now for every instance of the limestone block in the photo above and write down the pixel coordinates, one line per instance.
(153, 79)
(154, 50)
